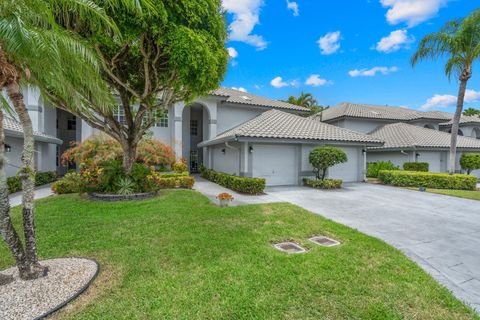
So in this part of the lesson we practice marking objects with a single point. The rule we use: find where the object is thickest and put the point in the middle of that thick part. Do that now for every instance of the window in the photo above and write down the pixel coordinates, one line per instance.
(193, 127)
(162, 120)
(119, 115)
(72, 123)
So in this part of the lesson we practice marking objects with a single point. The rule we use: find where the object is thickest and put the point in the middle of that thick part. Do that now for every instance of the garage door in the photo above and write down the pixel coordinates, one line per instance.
(275, 163)
(433, 159)
(348, 171)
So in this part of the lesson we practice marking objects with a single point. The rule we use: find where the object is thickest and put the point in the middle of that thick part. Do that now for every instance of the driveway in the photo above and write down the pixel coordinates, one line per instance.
(440, 233)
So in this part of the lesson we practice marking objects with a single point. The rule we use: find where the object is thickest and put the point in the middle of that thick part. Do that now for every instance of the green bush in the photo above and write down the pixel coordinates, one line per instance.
(41, 178)
(428, 180)
(374, 167)
(416, 166)
(174, 174)
(14, 184)
(239, 184)
(470, 162)
(323, 184)
(322, 158)
(70, 183)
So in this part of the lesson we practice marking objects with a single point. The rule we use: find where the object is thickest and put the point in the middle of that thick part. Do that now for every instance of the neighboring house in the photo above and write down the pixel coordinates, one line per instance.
(248, 135)
(409, 135)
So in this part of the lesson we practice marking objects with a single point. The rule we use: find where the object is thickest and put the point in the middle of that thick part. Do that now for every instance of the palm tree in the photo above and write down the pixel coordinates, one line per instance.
(306, 100)
(471, 112)
(35, 50)
(459, 41)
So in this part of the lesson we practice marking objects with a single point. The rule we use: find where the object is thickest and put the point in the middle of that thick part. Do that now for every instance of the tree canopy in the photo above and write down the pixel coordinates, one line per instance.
(306, 100)
(322, 158)
(471, 112)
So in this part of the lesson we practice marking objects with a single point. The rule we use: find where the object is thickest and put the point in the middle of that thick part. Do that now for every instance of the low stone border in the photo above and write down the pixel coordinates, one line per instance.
(118, 197)
(35, 299)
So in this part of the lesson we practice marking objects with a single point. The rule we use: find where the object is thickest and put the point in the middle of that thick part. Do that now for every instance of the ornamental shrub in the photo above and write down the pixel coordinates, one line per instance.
(470, 162)
(100, 148)
(323, 184)
(374, 167)
(240, 184)
(428, 180)
(41, 178)
(325, 157)
(416, 166)
(156, 181)
(70, 183)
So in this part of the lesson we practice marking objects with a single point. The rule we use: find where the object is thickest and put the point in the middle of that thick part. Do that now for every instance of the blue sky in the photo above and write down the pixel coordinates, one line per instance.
(349, 50)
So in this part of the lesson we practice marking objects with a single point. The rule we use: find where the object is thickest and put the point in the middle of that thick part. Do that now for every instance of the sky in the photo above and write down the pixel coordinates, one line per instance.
(343, 51)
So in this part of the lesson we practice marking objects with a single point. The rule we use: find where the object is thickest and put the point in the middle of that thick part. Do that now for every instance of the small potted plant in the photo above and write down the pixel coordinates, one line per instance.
(224, 199)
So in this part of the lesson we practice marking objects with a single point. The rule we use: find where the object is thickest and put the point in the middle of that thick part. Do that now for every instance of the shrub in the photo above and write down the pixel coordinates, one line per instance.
(416, 166)
(70, 183)
(180, 166)
(470, 162)
(323, 184)
(156, 181)
(374, 167)
(323, 158)
(41, 178)
(100, 148)
(175, 174)
(428, 180)
(240, 184)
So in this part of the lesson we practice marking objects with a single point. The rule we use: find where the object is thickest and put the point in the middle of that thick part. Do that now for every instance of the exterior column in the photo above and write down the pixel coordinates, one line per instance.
(177, 130)
(365, 168)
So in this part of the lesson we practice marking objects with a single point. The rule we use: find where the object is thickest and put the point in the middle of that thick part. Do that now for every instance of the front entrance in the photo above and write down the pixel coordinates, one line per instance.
(195, 130)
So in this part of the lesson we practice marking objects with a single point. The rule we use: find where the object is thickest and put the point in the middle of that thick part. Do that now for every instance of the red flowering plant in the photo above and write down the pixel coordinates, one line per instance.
(225, 196)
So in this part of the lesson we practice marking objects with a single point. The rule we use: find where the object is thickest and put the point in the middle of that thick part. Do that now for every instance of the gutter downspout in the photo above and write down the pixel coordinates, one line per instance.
(364, 151)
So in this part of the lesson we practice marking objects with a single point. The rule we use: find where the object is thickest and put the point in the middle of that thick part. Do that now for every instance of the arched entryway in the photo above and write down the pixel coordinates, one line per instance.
(476, 133)
(460, 132)
(195, 129)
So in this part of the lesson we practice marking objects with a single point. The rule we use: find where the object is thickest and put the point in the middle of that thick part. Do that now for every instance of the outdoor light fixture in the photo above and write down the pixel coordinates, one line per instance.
(417, 155)
(364, 151)
(223, 151)
(8, 148)
(250, 149)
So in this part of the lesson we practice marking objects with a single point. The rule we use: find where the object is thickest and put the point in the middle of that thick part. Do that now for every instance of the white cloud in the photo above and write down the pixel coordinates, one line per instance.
(246, 15)
(316, 81)
(232, 52)
(329, 43)
(441, 101)
(294, 7)
(278, 82)
(394, 41)
(242, 89)
(412, 12)
(258, 86)
(372, 72)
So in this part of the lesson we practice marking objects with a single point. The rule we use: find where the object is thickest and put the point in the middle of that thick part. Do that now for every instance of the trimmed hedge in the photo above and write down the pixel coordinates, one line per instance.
(41, 178)
(239, 184)
(428, 180)
(416, 166)
(374, 167)
(70, 183)
(323, 184)
(185, 182)
(174, 174)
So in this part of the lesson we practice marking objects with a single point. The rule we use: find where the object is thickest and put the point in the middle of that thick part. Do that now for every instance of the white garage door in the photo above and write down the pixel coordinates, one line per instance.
(275, 163)
(433, 159)
(348, 171)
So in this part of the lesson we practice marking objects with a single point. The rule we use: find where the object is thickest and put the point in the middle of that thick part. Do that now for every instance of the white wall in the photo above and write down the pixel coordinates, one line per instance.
(229, 115)
(351, 171)
(437, 160)
(228, 162)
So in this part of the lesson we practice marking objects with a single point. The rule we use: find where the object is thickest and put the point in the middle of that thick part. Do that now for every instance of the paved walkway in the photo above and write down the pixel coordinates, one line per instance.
(40, 192)
(440, 233)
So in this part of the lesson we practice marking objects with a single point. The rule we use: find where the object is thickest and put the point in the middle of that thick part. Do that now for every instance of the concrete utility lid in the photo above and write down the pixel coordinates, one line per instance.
(324, 241)
(289, 247)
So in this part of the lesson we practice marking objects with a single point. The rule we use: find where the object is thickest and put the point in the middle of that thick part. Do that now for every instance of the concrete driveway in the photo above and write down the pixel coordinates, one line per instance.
(440, 233)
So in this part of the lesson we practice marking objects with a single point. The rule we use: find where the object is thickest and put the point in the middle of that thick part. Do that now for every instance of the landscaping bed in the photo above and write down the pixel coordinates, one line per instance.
(244, 185)
(179, 257)
(428, 180)
(325, 184)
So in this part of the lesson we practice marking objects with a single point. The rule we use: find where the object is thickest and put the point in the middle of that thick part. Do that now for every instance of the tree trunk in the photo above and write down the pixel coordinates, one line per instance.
(7, 230)
(456, 123)
(129, 155)
(28, 179)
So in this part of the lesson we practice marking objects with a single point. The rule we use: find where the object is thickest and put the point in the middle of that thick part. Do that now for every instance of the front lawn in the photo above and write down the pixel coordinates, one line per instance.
(466, 194)
(180, 257)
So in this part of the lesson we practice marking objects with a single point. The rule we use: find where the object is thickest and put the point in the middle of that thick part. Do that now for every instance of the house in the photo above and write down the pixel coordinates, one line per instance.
(248, 135)
(409, 135)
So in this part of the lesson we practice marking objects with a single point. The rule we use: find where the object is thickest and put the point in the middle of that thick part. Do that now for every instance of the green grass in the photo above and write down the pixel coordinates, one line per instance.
(466, 194)
(180, 257)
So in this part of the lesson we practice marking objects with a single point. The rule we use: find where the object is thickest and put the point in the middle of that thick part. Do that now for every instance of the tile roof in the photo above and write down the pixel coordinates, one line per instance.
(356, 110)
(13, 128)
(276, 124)
(404, 135)
(235, 96)
(464, 120)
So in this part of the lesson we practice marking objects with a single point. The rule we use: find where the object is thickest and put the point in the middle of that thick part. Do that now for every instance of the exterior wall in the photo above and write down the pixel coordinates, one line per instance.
(351, 171)
(14, 157)
(229, 115)
(44, 158)
(361, 125)
(437, 160)
(228, 162)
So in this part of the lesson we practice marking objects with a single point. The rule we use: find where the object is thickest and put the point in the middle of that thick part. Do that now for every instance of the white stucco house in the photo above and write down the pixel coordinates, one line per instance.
(248, 135)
